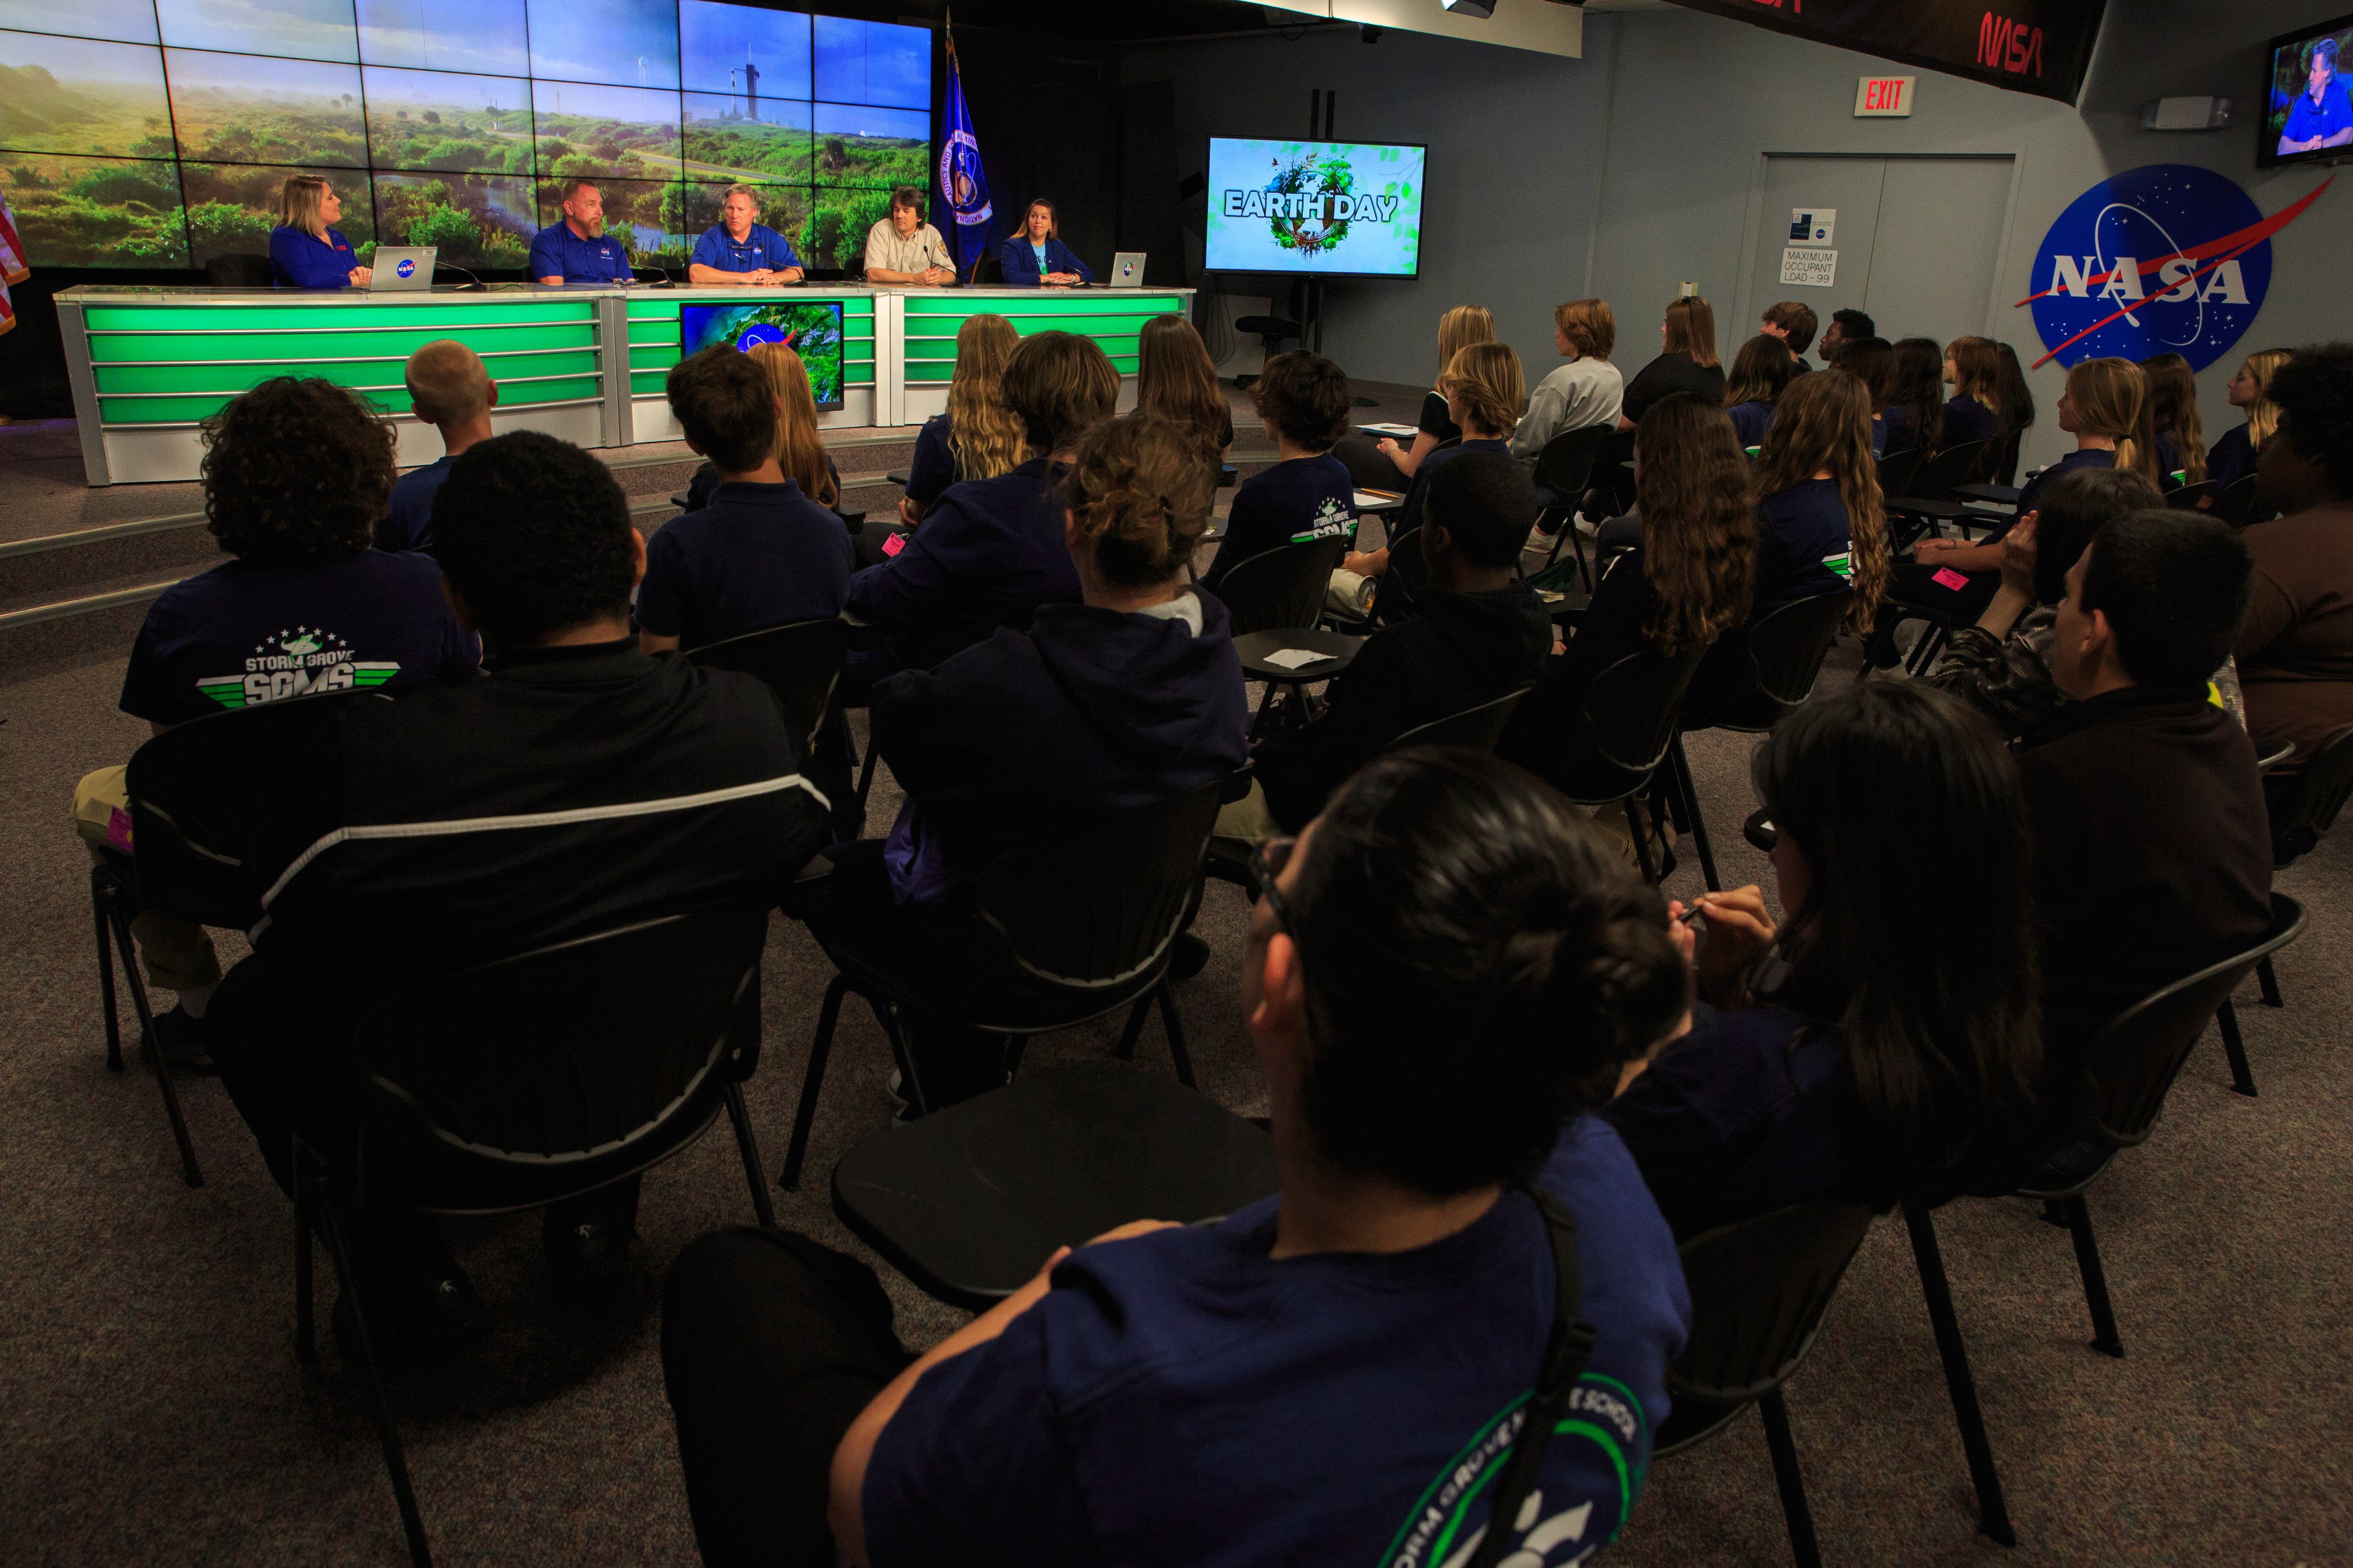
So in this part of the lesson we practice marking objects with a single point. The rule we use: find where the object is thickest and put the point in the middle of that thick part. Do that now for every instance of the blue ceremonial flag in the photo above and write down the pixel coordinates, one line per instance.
(963, 184)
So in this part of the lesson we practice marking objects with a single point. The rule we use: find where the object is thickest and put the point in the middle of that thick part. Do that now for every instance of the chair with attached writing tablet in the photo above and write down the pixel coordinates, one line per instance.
(201, 795)
(532, 1080)
(1274, 599)
(1086, 917)
(801, 663)
(968, 1202)
(1760, 1289)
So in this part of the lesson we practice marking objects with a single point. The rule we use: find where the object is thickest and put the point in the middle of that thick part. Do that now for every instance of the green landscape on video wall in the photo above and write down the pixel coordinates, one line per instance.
(159, 132)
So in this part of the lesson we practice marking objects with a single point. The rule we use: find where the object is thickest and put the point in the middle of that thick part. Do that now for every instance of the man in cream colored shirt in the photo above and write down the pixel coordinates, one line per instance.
(903, 248)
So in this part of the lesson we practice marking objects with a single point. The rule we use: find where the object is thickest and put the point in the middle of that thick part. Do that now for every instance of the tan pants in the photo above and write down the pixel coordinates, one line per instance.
(1247, 818)
(179, 954)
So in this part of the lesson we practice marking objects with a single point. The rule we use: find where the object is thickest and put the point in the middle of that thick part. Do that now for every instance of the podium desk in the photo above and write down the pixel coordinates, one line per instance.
(147, 365)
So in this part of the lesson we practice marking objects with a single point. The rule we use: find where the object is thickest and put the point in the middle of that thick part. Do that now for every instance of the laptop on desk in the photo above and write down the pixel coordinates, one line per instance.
(1127, 270)
(398, 266)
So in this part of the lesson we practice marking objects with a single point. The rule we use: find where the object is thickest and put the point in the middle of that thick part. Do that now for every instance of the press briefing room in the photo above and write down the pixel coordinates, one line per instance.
(1431, 783)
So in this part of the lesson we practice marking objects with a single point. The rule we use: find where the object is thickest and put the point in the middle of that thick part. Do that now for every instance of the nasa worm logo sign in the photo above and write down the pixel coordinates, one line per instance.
(2168, 259)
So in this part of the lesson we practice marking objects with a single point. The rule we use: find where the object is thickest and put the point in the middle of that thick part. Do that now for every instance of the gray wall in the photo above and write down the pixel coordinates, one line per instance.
(1636, 167)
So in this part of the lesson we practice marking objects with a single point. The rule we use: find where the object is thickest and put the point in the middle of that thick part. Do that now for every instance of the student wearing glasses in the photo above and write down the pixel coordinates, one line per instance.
(1443, 974)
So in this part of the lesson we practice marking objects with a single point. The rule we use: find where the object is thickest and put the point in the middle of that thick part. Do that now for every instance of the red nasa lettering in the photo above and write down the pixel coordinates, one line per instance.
(2005, 44)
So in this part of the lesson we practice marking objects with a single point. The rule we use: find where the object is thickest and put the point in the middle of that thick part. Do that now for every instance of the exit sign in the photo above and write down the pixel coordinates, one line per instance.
(1882, 96)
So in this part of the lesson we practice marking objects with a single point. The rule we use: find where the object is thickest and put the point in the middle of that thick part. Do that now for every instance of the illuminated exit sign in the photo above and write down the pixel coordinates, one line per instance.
(1883, 96)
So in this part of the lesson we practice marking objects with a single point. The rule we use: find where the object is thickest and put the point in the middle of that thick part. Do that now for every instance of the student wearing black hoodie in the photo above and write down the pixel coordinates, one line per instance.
(1477, 632)
(1130, 696)
(989, 552)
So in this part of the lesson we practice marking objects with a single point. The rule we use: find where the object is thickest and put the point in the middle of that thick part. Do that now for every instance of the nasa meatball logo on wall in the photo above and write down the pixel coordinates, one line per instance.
(2168, 259)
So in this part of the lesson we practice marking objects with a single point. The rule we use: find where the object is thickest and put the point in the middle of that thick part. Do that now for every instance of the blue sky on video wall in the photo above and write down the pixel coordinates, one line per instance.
(155, 133)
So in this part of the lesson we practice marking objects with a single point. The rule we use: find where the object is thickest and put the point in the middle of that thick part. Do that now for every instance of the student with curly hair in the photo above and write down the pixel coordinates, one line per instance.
(1823, 523)
(575, 786)
(295, 475)
(1130, 695)
(1444, 975)
(980, 437)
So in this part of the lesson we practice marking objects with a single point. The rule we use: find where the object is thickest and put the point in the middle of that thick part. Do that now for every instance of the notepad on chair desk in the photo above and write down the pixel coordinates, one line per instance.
(1295, 657)
(1399, 432)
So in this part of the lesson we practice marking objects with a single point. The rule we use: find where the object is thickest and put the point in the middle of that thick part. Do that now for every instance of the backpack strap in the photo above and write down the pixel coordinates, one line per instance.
(1567, 1353)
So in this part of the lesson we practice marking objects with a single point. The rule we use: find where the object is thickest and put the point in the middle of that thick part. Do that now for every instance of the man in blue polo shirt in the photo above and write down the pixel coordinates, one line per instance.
(578, 250)
(741, 250)
(2321, 114)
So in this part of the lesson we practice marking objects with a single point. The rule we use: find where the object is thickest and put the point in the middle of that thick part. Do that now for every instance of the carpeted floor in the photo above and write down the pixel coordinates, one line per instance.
(152, 1412)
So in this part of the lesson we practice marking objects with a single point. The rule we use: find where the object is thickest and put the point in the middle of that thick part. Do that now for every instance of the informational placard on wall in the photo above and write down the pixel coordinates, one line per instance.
(1810, 269)
(1813, 225)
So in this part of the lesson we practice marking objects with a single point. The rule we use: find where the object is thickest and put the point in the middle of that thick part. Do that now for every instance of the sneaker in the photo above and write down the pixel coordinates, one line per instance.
(891, 1092)
(1538, 540)
(185, 1041)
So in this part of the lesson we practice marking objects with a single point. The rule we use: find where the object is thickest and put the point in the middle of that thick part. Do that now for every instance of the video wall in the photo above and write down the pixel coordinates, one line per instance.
(157, 133)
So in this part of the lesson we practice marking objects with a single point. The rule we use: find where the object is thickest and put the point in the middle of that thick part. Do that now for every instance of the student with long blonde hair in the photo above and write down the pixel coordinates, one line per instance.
(305, 252)
(1175, 380)
(800, 450)
(1457, 329)
(1823, 521)
(980, 437)
(2233, 457)
(2106, 408)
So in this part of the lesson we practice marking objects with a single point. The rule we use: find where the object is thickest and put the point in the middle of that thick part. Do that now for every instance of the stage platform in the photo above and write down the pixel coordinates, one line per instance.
(148, 365)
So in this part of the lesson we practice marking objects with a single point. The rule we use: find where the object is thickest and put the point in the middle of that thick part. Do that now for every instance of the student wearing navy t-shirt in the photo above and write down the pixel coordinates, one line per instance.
(1302, 399)
(305, 250)
(578, 250)
(977, 436)
(990, 551)
(1843, 1062)
(1323, 1360)
(295, 475)
(2233, 457)
(451, 389)
(760, 553)
(1821, 507)
(1486, 391)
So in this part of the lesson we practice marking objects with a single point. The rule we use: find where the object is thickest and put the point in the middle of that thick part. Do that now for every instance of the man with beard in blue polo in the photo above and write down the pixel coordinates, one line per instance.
(578, 250)
(738, 248)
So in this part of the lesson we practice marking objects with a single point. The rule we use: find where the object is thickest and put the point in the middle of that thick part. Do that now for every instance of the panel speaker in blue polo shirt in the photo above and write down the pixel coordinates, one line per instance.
(812, 329)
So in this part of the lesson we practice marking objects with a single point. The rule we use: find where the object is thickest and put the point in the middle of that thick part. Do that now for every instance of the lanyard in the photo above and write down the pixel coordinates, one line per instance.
(1567, 1352)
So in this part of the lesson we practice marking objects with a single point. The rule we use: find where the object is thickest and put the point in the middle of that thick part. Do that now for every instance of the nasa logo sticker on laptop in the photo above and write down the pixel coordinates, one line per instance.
(408, 268)
(2169, 257)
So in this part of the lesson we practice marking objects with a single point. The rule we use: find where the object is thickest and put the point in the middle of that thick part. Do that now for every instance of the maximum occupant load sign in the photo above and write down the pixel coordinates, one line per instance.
(1810, 269)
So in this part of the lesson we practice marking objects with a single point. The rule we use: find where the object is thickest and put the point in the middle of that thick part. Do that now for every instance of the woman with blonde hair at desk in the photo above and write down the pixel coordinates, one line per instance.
(304, 251)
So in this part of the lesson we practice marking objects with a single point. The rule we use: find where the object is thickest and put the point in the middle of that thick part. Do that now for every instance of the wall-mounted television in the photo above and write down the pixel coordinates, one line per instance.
(1328, 209)
(2307, 108)
(811, 328)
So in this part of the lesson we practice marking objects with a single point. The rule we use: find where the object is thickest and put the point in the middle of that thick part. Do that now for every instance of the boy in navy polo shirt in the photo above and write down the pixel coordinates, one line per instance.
(1305, 402)
(760, 553)
(578, 250)
(451, 389)
(741, 250)
(296, 473)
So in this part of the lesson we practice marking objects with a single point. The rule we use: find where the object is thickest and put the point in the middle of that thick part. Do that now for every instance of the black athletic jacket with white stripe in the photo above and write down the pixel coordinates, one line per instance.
(560, 792)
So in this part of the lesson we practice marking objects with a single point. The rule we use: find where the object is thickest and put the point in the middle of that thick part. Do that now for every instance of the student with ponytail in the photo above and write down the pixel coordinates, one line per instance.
(1443, 974)
(1130, 696)
(1844, 1060)
(2106, 408)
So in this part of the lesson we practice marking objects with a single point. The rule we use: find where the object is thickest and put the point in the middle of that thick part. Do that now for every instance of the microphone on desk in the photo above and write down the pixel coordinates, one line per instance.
(472, 284)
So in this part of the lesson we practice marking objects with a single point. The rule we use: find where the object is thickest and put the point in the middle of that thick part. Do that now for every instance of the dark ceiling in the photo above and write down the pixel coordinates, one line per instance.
(1093, 21)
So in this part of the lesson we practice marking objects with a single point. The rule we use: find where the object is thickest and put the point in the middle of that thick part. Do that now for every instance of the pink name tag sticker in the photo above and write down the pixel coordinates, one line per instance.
(894, 543)
(1947, 577)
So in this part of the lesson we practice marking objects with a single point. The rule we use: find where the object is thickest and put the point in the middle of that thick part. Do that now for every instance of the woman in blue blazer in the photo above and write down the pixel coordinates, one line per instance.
(304, 252)
(1031, 255)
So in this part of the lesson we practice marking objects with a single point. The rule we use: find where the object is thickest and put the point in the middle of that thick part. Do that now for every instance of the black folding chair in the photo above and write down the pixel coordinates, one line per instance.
(1275, 600)
(1565, 467)
(800, 662)
(2240, 502)
(1409, 573)
(1761, 674)
(2320, 795)
(1758, 1291)
(1631, 709)
(1928, 502)
(1087, 916)
(969, 1201)
(200, 793)
(2130, 1068)
(1896, 470)
(2186, 498)
(1477, 728)
(531, 1080)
